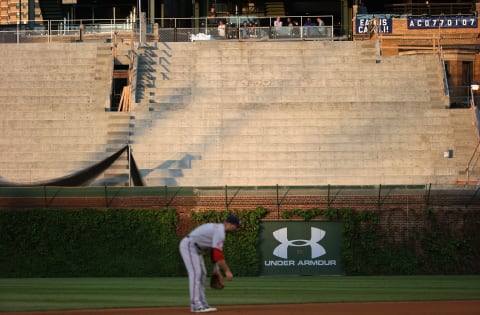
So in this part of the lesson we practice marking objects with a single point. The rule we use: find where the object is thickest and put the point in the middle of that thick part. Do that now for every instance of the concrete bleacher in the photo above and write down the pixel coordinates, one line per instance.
(233, 113)
(54, 121)
(289, 113)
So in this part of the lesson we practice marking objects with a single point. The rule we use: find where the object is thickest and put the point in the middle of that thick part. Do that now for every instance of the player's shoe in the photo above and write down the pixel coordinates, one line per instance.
(205, 310)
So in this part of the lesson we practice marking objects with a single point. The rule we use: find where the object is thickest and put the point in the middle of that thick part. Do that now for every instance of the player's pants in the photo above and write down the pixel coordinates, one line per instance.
(197, 274)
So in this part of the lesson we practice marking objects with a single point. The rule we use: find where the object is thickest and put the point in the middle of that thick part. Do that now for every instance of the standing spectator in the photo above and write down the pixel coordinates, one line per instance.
(278, 22)
(227, 18)
(221, 29)
(212, 13)
(290, 26)
(245, 30)
(211, 18)
(278, 25)
(321, 27)
(307, 27)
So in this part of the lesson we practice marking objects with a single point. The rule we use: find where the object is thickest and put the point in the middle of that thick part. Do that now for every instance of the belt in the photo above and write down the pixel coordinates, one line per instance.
(196, 245)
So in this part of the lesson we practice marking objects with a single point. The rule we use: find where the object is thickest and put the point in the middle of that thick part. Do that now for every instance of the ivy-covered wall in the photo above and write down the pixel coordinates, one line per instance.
(55, 243)
(86, 242)
(396, 242)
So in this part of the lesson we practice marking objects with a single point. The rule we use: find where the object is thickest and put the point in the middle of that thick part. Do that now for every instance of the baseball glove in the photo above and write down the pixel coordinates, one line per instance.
(216, 280)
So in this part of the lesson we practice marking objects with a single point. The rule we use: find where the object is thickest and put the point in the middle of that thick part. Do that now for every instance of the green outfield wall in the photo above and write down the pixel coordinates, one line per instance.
(144, 243)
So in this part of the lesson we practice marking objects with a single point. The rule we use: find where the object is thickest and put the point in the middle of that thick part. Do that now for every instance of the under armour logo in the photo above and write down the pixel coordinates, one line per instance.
(282, 249)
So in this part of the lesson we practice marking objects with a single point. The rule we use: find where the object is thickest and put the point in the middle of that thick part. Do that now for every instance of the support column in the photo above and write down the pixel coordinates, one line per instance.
(151, 12)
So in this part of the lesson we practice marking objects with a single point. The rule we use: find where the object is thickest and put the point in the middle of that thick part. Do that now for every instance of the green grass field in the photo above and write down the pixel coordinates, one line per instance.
(28, 294)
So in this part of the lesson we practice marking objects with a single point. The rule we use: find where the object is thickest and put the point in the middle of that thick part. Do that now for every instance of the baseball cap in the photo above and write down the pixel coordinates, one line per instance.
(233, 220)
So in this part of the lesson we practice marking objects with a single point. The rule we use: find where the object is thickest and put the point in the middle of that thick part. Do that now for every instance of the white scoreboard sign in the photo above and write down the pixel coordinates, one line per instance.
(442, 22)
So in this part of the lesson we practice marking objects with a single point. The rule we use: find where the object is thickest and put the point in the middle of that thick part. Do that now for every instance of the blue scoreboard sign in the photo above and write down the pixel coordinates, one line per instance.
(442, 22)
(380, 25)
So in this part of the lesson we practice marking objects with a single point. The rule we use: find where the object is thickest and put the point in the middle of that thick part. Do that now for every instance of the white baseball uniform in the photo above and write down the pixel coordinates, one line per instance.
(192, 247)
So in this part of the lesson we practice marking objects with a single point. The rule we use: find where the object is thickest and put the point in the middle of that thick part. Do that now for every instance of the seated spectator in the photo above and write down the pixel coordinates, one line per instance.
(252, 30)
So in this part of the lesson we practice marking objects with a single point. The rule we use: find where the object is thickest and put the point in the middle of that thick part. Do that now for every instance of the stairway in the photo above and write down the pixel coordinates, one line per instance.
(310, 113)
(53, 112)
(118, 137)
(233, 113)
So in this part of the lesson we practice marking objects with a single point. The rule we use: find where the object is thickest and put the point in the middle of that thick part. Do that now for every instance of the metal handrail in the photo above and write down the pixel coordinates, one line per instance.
(469, 167)
(54, 30)
(446, 90)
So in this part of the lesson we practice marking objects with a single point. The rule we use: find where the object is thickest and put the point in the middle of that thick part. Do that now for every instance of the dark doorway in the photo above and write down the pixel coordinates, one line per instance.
(120, 80)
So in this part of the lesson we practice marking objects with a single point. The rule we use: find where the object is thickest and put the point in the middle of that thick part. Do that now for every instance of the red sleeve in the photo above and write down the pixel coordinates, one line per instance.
(217, 255)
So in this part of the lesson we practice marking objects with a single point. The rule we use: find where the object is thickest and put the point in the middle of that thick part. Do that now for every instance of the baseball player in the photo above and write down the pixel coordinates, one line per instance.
(208, 237)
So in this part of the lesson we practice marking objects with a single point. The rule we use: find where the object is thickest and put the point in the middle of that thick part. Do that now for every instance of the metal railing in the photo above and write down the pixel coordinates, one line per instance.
(275, 197)
(446, 90)
(173, 29)
(459, 96)
(475, 157)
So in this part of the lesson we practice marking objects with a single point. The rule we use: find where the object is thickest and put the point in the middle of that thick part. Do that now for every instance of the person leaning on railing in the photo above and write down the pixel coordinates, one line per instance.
(321, 27)
(221, 29)
(308, 27)
(245, 30)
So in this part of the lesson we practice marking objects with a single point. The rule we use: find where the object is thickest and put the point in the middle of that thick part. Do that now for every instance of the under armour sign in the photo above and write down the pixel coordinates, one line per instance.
(301, 248)
(281, 236)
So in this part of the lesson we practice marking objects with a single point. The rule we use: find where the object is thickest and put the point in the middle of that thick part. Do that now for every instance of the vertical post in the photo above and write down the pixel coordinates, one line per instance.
(341, 17)
(379, 197)
(45, 196)
(226, 198)
(140, 23)
(162, 15)
(278, 205)
(427, 195)
(165, 193)
(151, 11)
(408, 225)
(174, 29)
(328, 196)
(106, 196)
(81, 28)
(129, 151)
(473, 87)
(18, 33)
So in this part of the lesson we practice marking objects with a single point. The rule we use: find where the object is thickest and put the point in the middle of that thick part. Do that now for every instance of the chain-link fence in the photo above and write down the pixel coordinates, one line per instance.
(276, 198)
